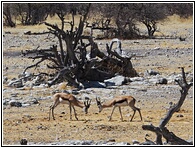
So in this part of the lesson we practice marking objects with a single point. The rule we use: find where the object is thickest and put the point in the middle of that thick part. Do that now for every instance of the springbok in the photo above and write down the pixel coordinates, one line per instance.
(71, 101)
(119, 102)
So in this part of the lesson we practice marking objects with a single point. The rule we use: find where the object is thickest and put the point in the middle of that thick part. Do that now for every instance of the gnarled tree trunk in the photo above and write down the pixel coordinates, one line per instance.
(74, 63)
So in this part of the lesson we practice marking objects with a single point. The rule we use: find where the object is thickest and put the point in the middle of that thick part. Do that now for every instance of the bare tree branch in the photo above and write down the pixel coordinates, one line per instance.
(162, 130)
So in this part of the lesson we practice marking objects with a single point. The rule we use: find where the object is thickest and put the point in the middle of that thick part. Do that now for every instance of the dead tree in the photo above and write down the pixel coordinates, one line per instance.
(74, 62)
(162, 131)
(103, 25)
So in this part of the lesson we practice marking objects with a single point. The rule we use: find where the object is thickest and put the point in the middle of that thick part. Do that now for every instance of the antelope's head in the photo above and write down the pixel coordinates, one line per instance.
(87, 104)
(99, 104)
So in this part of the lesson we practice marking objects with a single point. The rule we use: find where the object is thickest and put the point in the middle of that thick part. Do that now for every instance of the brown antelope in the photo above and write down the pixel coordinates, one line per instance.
(71, 101)
(118, 102)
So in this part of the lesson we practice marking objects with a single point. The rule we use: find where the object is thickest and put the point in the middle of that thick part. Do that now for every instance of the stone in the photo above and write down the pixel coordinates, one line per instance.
(94, 84)
(23, 142)
(5, 79)
(14, 103)
(116, 81)
(15, 83)
(136, 79)
(162, 81)
(152, 72)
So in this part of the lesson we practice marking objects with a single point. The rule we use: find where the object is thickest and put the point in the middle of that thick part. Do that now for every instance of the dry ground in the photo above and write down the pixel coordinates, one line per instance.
(32, 122)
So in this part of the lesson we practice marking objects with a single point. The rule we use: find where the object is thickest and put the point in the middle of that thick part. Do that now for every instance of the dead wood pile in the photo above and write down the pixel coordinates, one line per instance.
(77, 58)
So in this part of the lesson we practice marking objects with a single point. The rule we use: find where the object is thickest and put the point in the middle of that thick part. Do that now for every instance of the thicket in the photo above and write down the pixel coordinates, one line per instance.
(115, 19)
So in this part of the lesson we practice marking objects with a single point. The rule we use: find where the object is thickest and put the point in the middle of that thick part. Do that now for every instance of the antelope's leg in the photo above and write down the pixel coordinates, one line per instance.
(49, 112)
(75, 113)
(112, 113)
(133, 115)
(140, 113)
(52, 108)
(135, 108)
(120, 113)
(53, 113)
(70, 111)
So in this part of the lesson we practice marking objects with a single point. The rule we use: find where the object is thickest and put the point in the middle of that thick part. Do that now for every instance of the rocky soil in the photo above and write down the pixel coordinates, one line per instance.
(26, 105)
